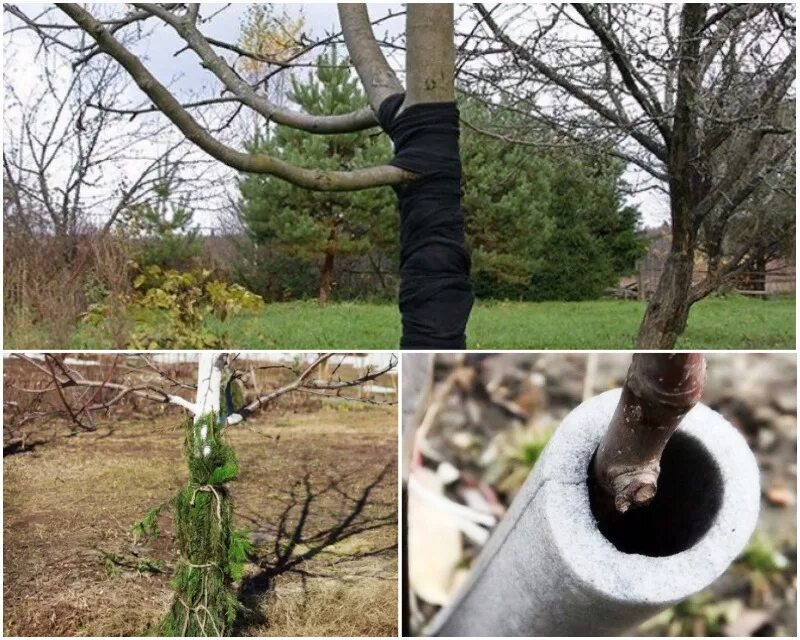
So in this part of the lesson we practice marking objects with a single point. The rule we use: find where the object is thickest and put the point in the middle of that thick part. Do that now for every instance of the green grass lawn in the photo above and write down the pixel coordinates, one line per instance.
(716, 323)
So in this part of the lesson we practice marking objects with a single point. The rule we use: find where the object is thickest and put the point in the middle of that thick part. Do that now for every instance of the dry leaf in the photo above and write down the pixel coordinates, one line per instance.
(779, 495)
(435, 545)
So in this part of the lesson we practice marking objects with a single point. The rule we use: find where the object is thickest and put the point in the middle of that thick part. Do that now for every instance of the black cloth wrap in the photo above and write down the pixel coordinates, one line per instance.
(435, 292)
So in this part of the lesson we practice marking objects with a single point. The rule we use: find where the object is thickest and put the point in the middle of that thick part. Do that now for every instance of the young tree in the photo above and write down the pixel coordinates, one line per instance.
(312, 224)
(667, 87)
(212, 551)
(435, 294)
(164, 224)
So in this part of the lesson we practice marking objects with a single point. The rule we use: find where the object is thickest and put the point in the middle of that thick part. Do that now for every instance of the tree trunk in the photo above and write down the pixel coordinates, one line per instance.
(212, 552)
(326, 278)
(659, 390)
(668, 310)
(209, 381)
(326, 271)
(435, 295)
(430, 53)
(758, 276)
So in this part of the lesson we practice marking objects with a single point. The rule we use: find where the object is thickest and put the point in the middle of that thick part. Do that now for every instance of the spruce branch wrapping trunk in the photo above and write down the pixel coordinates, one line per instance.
(212, 551)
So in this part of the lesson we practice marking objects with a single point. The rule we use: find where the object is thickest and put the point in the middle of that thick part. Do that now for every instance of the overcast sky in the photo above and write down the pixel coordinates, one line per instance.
(186, 77)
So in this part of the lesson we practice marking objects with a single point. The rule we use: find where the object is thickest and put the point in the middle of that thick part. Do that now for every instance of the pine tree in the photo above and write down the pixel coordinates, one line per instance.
(163, 225)
(506, 197)
(315, 225)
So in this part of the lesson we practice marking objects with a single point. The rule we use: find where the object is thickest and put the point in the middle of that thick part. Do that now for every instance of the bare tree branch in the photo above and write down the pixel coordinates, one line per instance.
(79, 409)
(573, 88)
(377, 77)
(186, 28)
(644, 95)
(250, 163)
(303, 384)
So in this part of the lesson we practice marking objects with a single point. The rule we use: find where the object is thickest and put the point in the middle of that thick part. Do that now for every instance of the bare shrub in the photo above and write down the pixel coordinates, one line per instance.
(49, 281)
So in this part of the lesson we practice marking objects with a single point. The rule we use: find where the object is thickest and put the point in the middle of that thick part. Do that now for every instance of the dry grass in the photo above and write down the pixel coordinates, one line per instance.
(71, 497)
(48, 285)
(355, 608)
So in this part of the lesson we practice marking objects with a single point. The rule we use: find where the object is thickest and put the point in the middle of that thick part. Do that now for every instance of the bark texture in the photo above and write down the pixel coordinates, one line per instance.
(430, 53)
(668, 311)
(326, 278)
(377, 77)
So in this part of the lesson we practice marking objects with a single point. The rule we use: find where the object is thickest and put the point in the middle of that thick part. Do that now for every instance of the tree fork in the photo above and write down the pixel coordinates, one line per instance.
(660, 389)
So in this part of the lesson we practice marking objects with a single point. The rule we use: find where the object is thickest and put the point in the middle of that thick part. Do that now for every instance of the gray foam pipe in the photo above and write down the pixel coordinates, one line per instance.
(548, 571)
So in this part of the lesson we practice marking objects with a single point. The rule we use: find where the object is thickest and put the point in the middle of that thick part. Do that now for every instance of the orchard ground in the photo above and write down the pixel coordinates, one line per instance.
(731, 322)
(320, 501)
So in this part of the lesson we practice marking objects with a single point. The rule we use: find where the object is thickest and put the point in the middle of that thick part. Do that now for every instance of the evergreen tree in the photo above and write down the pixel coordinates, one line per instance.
(506, 194)
(594, 238)
(313, 225)
(543, 225)
(163, 225)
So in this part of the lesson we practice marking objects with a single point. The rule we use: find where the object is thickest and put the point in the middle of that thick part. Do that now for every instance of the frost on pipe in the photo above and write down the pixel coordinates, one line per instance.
(435, 292)
(549, 570)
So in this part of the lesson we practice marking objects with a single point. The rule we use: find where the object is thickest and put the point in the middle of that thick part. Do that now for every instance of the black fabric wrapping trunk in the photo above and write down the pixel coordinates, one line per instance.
(435, 293)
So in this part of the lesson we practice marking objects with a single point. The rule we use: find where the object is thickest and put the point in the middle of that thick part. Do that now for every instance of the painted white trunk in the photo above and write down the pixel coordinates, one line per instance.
(209, 383)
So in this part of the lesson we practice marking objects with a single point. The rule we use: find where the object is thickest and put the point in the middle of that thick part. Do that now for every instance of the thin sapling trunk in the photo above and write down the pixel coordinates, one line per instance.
(326, 272)
(659, 391)
(326, 278)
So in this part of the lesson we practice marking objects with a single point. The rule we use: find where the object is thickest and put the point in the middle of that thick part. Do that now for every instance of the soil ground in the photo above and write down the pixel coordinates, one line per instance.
(318, 491)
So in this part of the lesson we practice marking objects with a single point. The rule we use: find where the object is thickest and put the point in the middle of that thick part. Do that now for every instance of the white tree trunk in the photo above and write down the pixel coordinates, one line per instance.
(209, 383)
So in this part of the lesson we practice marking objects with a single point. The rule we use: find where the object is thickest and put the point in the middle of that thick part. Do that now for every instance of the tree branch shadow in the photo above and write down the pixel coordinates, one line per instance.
(313, 520)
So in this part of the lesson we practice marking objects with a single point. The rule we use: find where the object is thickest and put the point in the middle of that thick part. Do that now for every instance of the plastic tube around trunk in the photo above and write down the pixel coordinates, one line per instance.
(548, 570)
